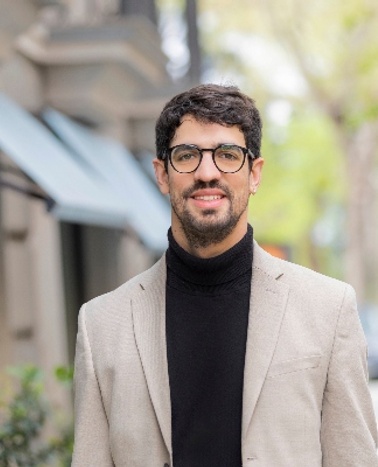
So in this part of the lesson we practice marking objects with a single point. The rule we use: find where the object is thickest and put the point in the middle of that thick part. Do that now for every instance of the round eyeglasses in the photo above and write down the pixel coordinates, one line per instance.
(228, 158)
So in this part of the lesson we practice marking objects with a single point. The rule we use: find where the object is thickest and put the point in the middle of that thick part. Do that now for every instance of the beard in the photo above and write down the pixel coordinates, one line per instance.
(209, 227)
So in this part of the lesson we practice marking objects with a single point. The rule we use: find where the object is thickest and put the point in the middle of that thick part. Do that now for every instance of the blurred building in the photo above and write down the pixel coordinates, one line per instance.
(81, 85)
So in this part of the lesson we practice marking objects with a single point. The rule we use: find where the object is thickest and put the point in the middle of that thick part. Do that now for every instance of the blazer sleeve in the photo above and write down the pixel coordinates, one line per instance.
(91, 444)
(349, 428)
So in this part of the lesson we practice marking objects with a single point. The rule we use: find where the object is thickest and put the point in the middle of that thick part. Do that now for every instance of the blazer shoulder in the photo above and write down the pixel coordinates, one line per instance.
(299, 277)
(121, 297)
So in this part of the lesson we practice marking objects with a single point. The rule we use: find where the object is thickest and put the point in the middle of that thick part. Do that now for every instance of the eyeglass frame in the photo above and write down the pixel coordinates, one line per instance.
(246, 152)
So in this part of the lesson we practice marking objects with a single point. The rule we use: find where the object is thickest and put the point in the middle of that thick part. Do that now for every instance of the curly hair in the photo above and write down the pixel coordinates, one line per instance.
(210, 103)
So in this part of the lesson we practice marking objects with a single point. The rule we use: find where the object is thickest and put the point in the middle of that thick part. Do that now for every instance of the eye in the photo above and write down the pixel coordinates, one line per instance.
(229, 153)
(185, 154)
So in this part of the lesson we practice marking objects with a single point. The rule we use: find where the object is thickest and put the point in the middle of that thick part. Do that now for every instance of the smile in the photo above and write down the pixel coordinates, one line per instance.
(209, 198)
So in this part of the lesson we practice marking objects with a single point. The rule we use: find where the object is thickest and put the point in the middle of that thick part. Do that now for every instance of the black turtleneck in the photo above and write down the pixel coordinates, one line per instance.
(207, 319)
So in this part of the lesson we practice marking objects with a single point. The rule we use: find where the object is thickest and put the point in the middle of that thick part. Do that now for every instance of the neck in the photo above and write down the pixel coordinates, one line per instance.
(212, 250)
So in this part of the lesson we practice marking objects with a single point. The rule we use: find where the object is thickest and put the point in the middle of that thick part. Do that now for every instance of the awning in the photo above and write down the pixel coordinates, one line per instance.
(148, 211)
(76, 195)
(81, 189)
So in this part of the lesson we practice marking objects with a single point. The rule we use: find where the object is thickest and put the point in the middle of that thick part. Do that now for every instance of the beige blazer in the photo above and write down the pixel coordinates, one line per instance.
(306, 401)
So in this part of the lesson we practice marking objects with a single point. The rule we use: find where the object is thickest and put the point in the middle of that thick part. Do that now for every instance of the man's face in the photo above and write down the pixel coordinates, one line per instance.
(208, 206)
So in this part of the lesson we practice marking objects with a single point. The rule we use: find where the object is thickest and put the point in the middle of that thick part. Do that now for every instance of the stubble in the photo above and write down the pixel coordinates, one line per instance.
(209, 227)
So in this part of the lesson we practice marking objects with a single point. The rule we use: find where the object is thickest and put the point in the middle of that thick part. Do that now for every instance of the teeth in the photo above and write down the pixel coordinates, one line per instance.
(209, 198)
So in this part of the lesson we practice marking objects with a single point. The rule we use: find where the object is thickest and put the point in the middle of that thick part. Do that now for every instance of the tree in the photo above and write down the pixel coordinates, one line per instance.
(335, 46)
(332, 48)
(23, 419)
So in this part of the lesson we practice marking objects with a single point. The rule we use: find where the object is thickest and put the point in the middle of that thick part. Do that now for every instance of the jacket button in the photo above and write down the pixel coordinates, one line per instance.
(166, 465)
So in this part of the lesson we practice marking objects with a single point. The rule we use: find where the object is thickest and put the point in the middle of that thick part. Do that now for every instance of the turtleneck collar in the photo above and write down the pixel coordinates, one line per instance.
(220, 269)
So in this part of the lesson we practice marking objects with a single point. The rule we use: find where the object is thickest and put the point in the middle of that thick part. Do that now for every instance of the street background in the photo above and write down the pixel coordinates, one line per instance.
(81, 85)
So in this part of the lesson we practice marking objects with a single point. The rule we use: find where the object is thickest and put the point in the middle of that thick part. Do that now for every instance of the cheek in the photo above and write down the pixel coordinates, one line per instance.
(243, 186)
(177, 185)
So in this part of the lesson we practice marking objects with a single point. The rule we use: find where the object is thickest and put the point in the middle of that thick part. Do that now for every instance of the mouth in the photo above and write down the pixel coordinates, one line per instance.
(208, 199)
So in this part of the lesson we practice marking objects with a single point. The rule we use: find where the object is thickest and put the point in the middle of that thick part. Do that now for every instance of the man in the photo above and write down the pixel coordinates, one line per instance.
(220, 355)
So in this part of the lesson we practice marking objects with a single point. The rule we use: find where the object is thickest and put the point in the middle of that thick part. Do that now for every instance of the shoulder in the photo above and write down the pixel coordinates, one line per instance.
(300, 279)
(119, 299)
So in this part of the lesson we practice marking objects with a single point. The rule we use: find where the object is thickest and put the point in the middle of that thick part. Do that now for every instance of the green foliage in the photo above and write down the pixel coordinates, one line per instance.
(300, 178)
(64, 374)
(23, 420)
(321, 58)
(301, 182)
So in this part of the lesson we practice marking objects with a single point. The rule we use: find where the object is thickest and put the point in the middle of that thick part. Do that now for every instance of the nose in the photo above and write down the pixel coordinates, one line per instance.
(207, 170)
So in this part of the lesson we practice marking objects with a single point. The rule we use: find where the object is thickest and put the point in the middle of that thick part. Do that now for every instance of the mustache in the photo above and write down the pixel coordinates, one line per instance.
(201, 185)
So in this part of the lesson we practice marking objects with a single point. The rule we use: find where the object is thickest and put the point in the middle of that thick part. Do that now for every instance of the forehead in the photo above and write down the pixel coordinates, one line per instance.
(206, 134)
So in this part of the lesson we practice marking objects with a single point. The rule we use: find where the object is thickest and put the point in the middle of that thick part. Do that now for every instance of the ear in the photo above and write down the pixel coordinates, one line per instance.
(161, 176)
(255, 175)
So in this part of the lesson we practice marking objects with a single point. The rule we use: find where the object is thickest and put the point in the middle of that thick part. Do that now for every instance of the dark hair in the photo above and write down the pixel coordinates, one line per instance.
(210, 103)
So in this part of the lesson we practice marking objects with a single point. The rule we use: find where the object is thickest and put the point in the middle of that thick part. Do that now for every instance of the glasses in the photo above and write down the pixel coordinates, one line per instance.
(227, 158)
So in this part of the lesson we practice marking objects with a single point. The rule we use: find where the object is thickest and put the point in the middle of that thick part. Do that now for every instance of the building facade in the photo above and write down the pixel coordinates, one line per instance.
(81, 84)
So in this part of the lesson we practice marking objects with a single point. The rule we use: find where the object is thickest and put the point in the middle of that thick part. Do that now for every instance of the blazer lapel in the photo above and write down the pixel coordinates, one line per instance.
(267, 307)
(149, 327)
